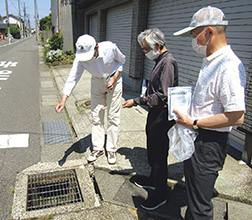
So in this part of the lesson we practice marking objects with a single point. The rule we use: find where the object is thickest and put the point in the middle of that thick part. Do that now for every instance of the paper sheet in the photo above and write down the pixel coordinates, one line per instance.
(179, 98)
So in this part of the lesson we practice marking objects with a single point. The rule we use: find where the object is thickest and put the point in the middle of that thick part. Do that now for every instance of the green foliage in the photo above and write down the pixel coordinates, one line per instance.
(45, 51)
(45, 23)
(53, 55)
(57, 57)
(14, 31)
(56, 41)
(69, 52)
(12, 191)
(69, 55)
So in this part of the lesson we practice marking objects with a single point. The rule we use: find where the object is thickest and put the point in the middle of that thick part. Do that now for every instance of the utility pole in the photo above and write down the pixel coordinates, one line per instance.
(36, 22)
(29, 25)
(8, 21)
(20, 20)
(24, 21)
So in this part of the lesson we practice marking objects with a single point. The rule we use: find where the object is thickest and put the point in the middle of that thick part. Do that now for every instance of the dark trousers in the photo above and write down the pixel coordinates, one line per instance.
(201, 172)
(157, 127)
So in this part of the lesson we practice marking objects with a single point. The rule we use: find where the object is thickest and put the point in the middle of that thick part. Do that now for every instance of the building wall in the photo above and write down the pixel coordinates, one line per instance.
(170, 16)
(54, 15)
(62, 21)
(66, 28)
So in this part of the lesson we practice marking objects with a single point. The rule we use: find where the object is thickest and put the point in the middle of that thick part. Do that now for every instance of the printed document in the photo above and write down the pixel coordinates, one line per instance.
(179, 98)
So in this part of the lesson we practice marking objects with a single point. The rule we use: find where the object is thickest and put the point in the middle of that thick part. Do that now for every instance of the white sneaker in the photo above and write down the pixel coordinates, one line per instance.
(111, 157)
(94, 155)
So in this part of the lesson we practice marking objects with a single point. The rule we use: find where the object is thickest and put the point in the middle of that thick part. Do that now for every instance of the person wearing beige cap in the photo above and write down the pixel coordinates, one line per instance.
(218, 103)
(105, 62)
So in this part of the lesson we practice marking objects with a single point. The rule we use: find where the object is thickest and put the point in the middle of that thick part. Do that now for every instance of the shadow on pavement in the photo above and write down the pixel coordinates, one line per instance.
(174, 209)
(78, 147)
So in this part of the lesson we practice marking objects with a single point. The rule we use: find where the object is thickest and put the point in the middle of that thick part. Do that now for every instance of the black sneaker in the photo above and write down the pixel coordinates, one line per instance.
(153, 202)
(142, 182)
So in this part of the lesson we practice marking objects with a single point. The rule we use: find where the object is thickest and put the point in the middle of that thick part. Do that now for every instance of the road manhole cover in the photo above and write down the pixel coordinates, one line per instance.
(53, 189)
(82, 105)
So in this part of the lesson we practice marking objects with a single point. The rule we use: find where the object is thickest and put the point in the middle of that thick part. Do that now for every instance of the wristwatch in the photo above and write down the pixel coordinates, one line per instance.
(195, 126)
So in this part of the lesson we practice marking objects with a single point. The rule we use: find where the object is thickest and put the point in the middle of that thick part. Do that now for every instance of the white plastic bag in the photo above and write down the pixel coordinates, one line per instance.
(181, 141)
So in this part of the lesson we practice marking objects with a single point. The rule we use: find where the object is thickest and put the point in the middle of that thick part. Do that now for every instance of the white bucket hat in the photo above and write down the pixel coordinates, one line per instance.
(85, 47)
(207, 16)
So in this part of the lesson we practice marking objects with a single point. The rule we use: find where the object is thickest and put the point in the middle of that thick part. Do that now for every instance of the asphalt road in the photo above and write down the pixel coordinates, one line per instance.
(19, 114)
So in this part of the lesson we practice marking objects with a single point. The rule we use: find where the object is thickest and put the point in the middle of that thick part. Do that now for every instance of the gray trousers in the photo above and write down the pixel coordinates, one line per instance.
(201, 172)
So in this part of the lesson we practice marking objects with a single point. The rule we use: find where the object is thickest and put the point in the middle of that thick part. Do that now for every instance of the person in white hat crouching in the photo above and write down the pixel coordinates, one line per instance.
(105, 62)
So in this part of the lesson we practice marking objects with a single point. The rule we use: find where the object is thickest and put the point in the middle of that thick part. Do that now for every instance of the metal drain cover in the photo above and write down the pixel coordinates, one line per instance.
(56, 132)
(53, 189)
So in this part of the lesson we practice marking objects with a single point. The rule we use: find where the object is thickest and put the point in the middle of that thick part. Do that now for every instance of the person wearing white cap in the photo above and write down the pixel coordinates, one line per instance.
(218, 103)
(105, 62)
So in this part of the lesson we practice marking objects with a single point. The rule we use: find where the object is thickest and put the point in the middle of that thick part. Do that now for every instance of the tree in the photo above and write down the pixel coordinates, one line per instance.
(56, 41)
(14, 31)
(45, 23)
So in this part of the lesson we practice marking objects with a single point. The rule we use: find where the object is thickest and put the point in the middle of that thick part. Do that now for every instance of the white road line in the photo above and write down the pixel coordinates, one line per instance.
(7, 64)
(3, 78)
(14, 140)
(5, 72)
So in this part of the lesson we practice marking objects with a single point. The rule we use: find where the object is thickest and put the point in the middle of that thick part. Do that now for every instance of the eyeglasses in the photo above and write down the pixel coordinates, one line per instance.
(198, 33)
(146, 50)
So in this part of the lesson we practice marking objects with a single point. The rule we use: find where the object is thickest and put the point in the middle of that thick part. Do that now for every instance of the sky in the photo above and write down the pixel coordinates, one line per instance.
(43, 9)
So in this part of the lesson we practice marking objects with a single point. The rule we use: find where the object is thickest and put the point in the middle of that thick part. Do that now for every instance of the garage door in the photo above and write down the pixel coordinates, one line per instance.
(118, 30)
(93, 26)
(171, 16)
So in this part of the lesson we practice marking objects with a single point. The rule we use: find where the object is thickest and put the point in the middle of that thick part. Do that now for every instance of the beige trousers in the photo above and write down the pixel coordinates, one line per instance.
(101, 98)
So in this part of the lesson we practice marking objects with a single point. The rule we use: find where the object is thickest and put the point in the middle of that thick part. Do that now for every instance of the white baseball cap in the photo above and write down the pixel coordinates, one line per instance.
(207, 16)
(85, 46)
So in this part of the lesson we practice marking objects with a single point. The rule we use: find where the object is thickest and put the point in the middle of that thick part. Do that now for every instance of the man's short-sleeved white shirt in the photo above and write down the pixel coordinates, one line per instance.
(220, 87)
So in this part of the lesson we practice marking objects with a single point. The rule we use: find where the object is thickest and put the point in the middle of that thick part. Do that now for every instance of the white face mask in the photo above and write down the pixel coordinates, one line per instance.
(198, 48)
(152, 54)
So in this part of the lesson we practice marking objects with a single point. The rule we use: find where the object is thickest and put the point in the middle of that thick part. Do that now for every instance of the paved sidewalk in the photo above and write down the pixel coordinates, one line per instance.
(115, 197)
(234, 181)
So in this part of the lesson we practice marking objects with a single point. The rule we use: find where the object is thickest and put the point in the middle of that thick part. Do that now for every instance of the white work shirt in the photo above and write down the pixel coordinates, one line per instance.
(220, 87)
(110, 59)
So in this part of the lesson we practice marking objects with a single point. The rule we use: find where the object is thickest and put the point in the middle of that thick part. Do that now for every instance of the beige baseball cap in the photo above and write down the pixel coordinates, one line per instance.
(207, 16)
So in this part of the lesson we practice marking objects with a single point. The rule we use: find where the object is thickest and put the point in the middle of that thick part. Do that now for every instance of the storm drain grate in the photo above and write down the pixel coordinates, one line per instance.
(56, 132)
(48, 190)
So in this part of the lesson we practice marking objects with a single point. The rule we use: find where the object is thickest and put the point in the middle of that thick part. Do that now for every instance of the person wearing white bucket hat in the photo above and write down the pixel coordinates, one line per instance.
(218, 103)
(105, 62)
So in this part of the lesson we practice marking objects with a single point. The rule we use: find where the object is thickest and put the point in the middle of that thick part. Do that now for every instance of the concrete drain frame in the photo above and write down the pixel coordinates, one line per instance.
(88, 198)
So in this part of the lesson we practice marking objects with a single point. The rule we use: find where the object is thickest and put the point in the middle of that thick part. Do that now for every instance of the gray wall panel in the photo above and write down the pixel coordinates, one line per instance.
(118, 30)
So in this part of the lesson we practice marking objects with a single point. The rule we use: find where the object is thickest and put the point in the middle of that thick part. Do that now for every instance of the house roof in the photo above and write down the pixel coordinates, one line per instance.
(3, 26)
(11, 15)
